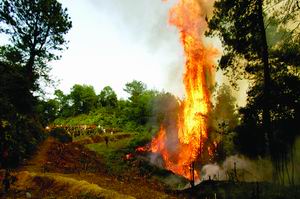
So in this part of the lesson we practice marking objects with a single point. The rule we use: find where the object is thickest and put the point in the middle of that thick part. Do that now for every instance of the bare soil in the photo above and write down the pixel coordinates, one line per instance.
(73, 162)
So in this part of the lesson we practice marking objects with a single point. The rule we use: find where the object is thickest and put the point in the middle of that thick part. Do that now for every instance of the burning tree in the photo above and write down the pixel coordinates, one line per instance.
(182, 146)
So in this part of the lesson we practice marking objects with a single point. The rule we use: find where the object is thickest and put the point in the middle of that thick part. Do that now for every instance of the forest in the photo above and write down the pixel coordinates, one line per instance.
(132, 140)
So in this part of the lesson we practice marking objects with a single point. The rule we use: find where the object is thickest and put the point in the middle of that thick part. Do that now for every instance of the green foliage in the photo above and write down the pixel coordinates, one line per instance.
(134, 89)
(20, 130)
(236, 23)
(267, 52)
(48, 111)
(285, 113)
(36, 30)
(83, 98)
(64, 104)
(13, 88)
(140, 139)
(225, 108)
(113, 154)
(224, 121)
(108, 97)
(10, 55)
(143, 111)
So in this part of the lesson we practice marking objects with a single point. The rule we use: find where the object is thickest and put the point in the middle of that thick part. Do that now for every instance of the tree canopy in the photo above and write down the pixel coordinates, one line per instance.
(83, 98)
(36, 30)
(108, 97)
(134, 89)
(261, 43)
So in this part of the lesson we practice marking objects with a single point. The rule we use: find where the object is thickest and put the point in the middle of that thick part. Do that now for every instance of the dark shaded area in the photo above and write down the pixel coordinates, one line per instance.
(61, 135)
(238, 190)
(260, 46)
(20, 130)
(36, 31)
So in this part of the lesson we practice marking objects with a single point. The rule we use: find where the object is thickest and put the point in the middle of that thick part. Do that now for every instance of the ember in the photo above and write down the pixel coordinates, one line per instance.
(129, 156)
(141, 149)
(189, 16)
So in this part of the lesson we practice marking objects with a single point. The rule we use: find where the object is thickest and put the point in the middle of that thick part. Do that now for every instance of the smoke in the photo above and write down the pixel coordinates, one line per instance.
(146, 23)
(239, 167)
(144, 20)
(207, 7)
(174, 79)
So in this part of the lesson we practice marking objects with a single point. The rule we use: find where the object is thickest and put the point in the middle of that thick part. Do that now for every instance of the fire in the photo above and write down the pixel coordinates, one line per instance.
(189, 16)
(128, 156)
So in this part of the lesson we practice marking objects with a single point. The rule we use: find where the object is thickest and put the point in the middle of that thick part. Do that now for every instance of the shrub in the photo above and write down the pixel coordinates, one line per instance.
(61, 134)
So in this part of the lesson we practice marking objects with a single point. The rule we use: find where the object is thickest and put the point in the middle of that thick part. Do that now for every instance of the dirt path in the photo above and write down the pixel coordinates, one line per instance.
(35, 164)
(37, 179)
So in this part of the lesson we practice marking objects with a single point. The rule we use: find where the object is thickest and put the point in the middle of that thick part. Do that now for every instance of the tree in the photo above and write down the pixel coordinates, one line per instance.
(83, 98)
(36, 30)
(224, 121)
(134, 89)
(13, 89)
(20, 130)
(265, 47)
(48, 111)
(240, 24)
(165, 109)
(108, 97)
(225, 108)
(64, 104)
(140, 99)
(285, 115)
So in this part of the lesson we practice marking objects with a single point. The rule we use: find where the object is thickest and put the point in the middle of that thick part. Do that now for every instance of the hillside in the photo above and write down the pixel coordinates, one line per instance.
(63, 170)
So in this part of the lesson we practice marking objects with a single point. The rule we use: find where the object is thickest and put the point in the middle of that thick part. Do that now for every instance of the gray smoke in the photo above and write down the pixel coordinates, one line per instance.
(245, 170)
(146, 22)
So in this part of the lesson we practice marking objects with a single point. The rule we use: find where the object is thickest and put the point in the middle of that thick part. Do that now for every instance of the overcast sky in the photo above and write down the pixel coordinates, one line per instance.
(113, 42)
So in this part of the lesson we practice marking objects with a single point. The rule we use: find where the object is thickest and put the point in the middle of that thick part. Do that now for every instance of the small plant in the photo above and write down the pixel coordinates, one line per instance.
(61, 135)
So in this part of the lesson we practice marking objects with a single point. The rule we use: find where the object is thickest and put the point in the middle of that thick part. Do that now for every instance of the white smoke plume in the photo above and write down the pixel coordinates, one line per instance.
(239, 167)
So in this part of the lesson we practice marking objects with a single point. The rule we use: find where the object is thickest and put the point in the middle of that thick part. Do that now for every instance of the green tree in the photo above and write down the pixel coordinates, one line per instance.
(139, 106)
(13, 88)
(240, 24)
(48, 111)
(36, 30)
(165, 109)
(225, 108)
(265, 47)
(135, 89)
(64, 104)
(108, 97)
(224, 122)
(83, 98)
(20, 130)
(285, 116)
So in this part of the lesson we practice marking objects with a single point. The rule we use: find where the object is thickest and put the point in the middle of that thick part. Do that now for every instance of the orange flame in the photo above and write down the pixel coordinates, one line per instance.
(189, 16)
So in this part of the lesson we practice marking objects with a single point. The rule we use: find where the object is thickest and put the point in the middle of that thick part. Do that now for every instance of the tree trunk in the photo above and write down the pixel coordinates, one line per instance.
(29, 70)
(267, 80)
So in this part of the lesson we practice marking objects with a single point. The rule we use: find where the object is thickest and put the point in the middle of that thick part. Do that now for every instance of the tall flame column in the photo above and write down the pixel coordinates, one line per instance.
(189, 16)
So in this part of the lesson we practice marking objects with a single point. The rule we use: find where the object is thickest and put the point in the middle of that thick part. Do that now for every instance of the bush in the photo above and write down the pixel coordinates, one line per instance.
(19, 137)
(61, 134)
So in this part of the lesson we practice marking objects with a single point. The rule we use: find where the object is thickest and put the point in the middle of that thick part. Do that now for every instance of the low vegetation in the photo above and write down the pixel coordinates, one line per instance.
(53, 186)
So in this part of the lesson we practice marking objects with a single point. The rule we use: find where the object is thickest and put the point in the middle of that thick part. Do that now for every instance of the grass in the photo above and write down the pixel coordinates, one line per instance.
(118, 146)
(47, 184)
(113, 154)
